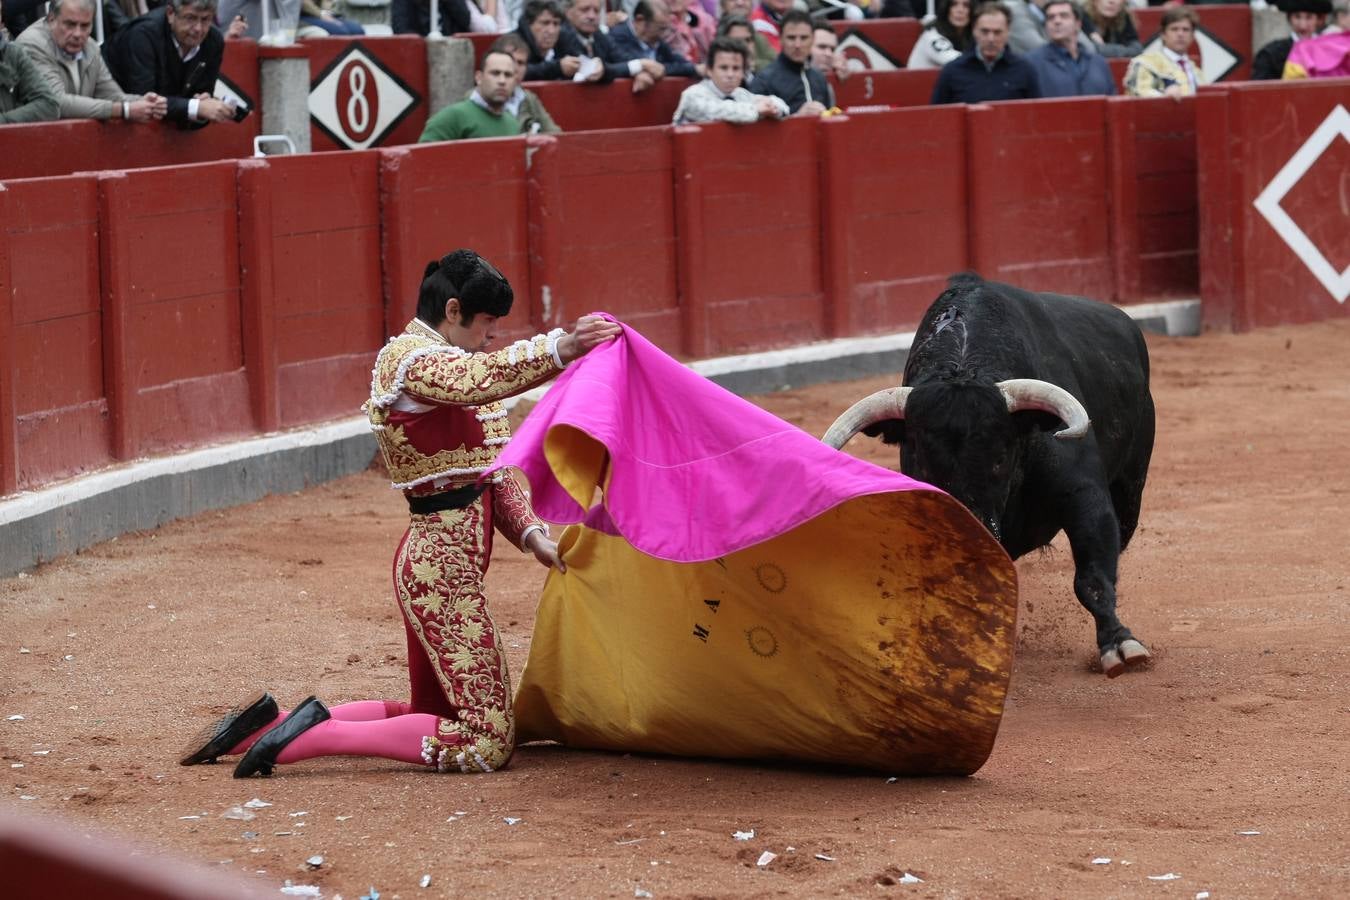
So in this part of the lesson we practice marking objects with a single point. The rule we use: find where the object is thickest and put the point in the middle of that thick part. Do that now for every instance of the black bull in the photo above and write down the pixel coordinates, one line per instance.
(1033, 410)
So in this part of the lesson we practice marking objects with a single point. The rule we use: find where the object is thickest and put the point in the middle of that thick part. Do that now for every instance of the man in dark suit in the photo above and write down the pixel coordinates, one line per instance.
(174, 51)
(1306, 19)
(638, 43)
(989, 70)
(583, 31)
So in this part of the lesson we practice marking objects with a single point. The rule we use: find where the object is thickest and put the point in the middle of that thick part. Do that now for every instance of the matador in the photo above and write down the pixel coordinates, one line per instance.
(436, 409)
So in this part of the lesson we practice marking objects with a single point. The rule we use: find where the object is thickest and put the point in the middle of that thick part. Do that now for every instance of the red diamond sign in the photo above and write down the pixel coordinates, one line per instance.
(357, 101)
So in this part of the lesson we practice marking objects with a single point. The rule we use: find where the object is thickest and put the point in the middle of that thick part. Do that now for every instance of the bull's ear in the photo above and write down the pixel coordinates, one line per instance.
(891, 431)
(1029, 421)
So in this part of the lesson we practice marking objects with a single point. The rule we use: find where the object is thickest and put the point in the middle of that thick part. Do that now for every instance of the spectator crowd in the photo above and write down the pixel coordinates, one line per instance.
(741, 60)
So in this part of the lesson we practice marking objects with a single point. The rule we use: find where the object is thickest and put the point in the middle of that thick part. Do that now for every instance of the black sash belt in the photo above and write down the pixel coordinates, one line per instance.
(455, 499)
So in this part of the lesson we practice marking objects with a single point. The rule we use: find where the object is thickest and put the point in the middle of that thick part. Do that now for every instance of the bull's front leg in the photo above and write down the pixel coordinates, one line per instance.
(1094, 535)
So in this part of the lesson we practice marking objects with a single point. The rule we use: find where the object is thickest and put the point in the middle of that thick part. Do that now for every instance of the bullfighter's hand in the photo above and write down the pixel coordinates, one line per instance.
(545, 550)
(590, 332)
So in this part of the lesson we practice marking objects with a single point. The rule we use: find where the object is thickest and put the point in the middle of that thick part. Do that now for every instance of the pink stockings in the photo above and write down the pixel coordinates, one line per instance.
(459, 717)
(356, 711)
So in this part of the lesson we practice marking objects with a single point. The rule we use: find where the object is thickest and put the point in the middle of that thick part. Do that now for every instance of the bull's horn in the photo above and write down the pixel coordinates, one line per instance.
(878, 407)
(1029, 393)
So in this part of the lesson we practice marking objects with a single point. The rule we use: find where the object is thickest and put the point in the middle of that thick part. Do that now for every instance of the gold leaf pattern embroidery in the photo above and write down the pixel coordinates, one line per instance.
(449, 615)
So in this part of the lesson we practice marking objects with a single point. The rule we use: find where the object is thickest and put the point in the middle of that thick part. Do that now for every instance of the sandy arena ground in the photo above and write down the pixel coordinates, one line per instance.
(1226, 764)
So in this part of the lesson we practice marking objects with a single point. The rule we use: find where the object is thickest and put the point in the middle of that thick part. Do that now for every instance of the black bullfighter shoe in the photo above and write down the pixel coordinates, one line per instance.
(230, 729)
(262, 756)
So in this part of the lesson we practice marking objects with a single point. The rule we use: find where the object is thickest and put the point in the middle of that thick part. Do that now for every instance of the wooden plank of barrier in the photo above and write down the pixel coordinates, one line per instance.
(1220, 185)
(326, 271)
(51, 231)
(748, 226)
(588, 252)
(1038, 188)
(890, 243)
(257, 294)
(116, 300)
(598, 107)
(903, 87)
(1154, 222)
(170, 256)
(9, 463)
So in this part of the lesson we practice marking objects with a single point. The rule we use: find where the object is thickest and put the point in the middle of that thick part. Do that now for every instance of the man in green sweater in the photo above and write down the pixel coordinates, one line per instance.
(483, 113)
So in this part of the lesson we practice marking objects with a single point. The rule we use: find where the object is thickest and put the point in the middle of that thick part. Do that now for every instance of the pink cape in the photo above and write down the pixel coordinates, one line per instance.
(1326, 56)
(695, 472)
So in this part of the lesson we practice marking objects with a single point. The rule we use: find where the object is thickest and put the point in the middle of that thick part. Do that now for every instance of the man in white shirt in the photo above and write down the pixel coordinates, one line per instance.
(721, 97)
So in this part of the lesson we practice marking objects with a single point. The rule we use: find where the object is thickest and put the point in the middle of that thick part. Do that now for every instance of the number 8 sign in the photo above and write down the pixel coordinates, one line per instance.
(357, 101)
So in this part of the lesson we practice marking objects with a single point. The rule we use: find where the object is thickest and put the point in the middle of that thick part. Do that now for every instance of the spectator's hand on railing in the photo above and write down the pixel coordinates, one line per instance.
(642, 80)
(1174, 91)
(767, 108)
(238, 27)
(654, 69)
(570, 65)
(147, 108)
(811, 108)
(213, 110)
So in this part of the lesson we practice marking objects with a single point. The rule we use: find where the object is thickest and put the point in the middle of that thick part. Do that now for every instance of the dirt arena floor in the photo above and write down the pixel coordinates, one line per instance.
(1224, 767)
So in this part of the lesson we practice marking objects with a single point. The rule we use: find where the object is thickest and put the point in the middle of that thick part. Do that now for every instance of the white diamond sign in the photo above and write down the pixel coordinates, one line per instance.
(864, 54)
(1217, 59)
(1336, 125)
(356, 101)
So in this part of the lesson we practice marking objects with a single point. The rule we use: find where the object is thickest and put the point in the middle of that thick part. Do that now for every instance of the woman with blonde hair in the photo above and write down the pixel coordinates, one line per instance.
(1114, 30)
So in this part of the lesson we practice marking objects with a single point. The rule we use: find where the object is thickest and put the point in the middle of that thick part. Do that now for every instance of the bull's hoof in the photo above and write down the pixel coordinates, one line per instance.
(1127, 654)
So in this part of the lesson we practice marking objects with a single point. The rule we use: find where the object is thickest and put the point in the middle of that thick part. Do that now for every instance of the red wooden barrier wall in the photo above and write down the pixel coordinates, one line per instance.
(311, 254)
(1155, 231)
(1038, 211)
(1275, 246)
(589, 252)
(52, 399)
(747, 221)
(903, 87)
(435, 198)
(892, 233)
(171, 308)
(596, 107)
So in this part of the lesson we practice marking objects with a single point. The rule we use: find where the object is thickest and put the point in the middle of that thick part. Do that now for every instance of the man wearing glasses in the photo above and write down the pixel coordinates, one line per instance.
(175, 52)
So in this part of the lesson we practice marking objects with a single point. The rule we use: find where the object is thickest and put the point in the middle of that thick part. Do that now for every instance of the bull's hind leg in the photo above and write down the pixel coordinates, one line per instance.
(1094, 535)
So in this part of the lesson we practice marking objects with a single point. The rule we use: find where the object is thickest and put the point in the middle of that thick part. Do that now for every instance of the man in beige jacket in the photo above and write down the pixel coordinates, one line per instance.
(71, 63)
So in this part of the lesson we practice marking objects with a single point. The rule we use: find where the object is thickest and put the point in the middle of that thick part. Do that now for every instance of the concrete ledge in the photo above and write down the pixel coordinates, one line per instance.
(41, 525)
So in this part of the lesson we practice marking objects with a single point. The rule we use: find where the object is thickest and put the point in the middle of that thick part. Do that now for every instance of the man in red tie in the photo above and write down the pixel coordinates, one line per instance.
(1168, 71)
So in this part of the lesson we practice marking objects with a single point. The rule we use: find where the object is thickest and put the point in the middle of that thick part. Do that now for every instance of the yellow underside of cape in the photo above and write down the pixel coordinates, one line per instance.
(878, 635)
